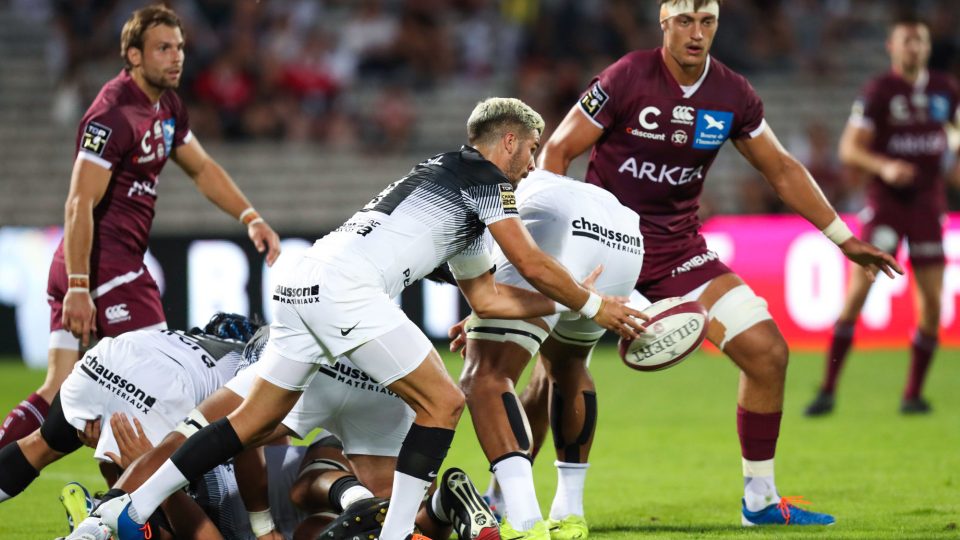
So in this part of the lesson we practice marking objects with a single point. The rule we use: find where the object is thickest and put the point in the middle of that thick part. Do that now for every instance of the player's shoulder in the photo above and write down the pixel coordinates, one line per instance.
(638, 64)
(465, 167)
(941, 80)
(725, 76)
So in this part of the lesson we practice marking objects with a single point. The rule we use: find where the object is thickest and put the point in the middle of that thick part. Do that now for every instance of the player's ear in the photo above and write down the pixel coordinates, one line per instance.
(134, 56)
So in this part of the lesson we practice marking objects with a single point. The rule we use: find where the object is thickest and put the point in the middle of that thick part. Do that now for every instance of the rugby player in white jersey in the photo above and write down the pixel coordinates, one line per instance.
(337, 301)
(583, 226)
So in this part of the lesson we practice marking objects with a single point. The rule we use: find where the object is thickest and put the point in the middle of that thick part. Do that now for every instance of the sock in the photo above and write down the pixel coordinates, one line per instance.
(759, 489)
(494, 496)
(16, 473)
(514, 473)
(24, 419)
(921, 355)
(209, 447)
(569, 497)
(840, 345)
(436, 509)
(418, 464)
(346, 491)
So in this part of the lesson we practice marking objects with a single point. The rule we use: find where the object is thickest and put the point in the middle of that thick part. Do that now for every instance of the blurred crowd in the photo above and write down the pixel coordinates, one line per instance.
(352, 73)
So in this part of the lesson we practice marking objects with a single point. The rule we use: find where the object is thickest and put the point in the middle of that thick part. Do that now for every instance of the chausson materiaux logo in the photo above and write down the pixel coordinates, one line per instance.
(296, 295)
(116, 383)
(629, 242)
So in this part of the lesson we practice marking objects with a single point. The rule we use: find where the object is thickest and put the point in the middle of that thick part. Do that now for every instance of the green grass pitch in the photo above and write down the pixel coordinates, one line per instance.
(666, 461)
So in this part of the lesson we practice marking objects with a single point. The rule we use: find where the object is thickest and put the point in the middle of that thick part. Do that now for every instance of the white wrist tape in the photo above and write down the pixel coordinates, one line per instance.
(261, 522)
(254, 222)
(245, 213)
(78, 276)
(591, 307)
(78, 289)
(470, 266)
(837, 231)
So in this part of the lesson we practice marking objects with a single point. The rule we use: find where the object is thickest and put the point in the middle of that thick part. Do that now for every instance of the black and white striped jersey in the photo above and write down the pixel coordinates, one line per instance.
(436, 212)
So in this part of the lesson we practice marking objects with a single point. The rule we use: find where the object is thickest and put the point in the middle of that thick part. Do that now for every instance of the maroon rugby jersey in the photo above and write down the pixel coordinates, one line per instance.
(908, 123)
(659, 143)
(124, 132)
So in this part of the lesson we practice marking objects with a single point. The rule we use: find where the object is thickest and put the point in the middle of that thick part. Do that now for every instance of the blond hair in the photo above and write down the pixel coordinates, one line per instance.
(493, 116)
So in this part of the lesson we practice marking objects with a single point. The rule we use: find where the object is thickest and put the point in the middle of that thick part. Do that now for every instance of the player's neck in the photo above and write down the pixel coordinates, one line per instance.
(152, 92)
(911, 75)
(685, 75)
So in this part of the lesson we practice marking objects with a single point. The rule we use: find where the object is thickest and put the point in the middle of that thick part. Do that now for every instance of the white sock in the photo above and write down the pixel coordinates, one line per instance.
(145, 500)
(515, 476)
(759, 489)
(438, 508)
(493, 493)
(408, 493)
(3, 496)
(569, 497)
(354, 494)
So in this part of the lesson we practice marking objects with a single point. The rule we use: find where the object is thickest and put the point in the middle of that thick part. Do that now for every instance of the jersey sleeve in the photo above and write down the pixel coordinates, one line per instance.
(867, 110)
(492, 202)
(105, 138)
(752, 123)
(602, 99)
(473, 261)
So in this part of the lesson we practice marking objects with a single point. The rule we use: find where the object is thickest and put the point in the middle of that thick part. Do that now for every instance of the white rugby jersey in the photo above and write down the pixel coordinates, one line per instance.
(208, 362)
(436, 212)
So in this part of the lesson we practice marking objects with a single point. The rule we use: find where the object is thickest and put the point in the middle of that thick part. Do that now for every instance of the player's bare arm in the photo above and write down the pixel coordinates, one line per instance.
(794, 185)
(575, 135)
(855, 151)
(553, 280)
(214, 182)
(88, 183)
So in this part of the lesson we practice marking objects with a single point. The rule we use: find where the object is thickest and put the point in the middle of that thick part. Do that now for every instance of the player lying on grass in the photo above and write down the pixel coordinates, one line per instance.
(369, 419)
(582, 226)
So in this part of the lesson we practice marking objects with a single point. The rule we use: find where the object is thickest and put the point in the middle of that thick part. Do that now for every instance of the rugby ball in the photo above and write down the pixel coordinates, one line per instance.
(675, 329)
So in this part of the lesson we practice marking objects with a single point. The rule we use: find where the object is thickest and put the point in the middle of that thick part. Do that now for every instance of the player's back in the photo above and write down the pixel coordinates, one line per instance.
(420, 221)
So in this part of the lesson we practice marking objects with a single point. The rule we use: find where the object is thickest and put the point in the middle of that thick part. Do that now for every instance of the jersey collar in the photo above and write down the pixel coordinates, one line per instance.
(686, 91)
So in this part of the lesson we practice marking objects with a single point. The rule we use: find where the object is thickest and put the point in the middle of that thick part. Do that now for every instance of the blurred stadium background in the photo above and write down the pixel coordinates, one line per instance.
(313, 106)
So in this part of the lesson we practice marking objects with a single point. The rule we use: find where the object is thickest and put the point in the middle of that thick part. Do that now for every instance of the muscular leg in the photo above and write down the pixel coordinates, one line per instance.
(535, 399)
(929, 288)
(30, 413)
(573, 419)
(842, 338)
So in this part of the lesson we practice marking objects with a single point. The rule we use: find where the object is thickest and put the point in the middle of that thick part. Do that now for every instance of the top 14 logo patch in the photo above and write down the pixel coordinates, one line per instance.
(95, 137)
(712, 129)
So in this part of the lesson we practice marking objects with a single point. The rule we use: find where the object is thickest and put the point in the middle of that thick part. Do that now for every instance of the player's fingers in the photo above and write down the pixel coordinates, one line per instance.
(139, 427)
(113, 457)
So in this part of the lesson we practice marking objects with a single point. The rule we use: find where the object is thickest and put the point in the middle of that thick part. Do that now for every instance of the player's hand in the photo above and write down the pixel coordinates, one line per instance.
(898, 173)
(131, 441)
(617, 316)
(90, 435)
(590, 281)
(272, 535)
(458, 337)
(264, 239)
(870, 258)
(80, 315)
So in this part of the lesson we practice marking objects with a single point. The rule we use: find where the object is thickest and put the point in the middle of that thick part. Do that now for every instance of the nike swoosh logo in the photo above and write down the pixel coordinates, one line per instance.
(348, 330)
(430, 474)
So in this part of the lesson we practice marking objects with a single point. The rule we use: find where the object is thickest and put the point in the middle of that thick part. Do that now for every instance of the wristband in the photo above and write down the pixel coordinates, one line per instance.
(837, 231)
(78, 281)
(261, 522)
(78, 289)
(591, 307)
(249, 216)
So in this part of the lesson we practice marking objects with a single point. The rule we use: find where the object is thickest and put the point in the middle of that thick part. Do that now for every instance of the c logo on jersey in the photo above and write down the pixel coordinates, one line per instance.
(645, 114)
(594, 100)
(95, 137)
(712, 129)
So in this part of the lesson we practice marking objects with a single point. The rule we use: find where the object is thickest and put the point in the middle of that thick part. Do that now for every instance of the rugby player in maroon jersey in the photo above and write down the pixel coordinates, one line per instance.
(896, 134)
(656, 120)
(98, 284)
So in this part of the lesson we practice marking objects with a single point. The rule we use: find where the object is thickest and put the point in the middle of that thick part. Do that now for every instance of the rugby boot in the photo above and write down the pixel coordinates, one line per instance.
(785, 512)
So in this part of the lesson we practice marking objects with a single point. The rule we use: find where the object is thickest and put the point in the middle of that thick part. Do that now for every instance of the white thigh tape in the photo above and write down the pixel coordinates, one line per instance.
(193, 423)
(323, 465)
(527, 335)
(737, 311)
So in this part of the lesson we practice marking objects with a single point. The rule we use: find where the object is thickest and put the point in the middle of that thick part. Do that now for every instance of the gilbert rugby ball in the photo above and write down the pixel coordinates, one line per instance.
(675, 329)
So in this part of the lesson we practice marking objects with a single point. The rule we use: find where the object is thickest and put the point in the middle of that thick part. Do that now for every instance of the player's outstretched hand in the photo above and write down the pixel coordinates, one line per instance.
(589, 281)
(458, 337)
(265, 239)
(272, 535)
(617, 316)
(870, 258)
(131, 441)
(80, 316)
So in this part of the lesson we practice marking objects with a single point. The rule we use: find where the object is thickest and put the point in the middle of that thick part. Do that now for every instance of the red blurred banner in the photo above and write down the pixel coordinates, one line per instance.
(803, 277)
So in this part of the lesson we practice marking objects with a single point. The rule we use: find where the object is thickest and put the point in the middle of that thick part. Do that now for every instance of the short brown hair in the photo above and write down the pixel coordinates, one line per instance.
(697, 4)
(907, 18)
(142, 20)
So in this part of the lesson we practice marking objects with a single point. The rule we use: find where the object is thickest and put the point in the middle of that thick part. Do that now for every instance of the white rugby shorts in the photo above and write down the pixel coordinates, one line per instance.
(366, 417)
(118, 376)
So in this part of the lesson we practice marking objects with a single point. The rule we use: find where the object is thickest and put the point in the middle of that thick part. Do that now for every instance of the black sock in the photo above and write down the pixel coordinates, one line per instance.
(423, 451)
(16, 472)
(209, 447)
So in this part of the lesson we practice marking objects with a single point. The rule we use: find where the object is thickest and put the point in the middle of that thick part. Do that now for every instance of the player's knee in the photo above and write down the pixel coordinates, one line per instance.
(779, 356)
